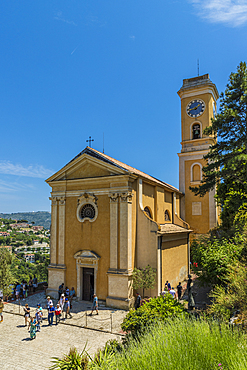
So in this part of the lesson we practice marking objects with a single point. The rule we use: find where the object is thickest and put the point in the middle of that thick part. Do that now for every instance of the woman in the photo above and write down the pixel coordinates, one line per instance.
(26, 313)
(32, 326)
(61, 302)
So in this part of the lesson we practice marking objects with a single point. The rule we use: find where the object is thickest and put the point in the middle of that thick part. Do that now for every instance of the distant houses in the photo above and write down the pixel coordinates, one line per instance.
(29, 257)
(4, 233)
(36, 247)
(7, 247)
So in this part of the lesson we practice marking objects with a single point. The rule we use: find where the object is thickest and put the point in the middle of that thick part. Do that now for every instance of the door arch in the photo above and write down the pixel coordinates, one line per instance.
(89, 260)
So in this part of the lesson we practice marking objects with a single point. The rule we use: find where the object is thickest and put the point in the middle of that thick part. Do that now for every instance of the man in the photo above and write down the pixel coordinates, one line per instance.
(71, 295)
(60, 290)
(49, 303)
(167, 286)
(51, 313)
(67, 308)
(179, 291)
(95, 305)
(172, 292)
(1, 309)
(138, 301)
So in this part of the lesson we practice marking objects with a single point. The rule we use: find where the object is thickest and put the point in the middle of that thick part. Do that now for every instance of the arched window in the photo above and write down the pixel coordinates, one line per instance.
(167, 216)
(147, 210)
(196, 131)
(196, 173)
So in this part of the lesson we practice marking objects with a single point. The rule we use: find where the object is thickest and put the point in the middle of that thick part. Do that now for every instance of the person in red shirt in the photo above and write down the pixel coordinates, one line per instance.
(58, 313)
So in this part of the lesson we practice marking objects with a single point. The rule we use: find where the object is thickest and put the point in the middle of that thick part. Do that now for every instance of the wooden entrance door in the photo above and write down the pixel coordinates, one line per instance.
(88, 283)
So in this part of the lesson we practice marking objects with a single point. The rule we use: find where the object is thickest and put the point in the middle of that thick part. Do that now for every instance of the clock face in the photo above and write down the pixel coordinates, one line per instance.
(195, 108)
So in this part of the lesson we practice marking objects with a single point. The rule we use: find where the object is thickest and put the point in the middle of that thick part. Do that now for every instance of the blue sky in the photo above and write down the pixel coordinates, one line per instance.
(70, 69)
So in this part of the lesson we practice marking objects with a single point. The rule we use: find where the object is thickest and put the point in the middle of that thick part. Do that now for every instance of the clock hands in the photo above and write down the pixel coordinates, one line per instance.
(194, 108)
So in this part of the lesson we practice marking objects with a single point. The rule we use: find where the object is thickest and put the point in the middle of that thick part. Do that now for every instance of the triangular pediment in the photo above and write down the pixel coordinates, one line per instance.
(84, 167)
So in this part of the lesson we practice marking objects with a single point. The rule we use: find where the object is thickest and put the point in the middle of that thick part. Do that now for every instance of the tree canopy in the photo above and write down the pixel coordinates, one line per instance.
(6, 275)
(226, 166)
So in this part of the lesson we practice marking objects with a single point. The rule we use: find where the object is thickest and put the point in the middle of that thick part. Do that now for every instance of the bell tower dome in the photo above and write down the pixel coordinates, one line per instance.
(198, 105)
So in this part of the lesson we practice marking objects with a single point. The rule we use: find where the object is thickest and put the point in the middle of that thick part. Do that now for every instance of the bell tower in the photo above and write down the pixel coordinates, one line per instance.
(198, 105)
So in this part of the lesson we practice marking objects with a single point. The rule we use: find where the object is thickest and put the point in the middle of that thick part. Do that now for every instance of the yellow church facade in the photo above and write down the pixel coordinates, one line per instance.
(108, 217)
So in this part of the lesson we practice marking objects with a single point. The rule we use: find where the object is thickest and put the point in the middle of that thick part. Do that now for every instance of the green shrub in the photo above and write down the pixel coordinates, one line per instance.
(73, 361)
(136, 321)
(234, 296)
(211, 257)
(183, 344)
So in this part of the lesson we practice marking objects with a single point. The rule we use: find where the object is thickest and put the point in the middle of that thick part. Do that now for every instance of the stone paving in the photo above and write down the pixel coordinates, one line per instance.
(19, 352)
(108, 320)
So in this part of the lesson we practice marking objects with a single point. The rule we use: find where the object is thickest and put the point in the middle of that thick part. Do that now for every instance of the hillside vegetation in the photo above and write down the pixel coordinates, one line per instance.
(41, 218)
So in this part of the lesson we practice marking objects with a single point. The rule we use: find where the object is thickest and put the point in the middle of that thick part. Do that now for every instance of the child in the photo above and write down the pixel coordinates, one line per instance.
(32, 326)
(41, 311)
(58, 313)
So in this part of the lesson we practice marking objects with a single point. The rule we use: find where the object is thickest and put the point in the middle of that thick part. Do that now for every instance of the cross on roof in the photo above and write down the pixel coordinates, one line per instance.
(89, 141)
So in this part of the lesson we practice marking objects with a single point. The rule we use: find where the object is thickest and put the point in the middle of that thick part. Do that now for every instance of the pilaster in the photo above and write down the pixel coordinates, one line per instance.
(113, 231)
(61, 231)
(126, 231)
(53, 241)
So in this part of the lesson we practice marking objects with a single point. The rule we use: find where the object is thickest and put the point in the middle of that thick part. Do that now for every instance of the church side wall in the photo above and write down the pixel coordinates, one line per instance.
(148, 196)
(161, 199)
(147, 246)
(174, 259)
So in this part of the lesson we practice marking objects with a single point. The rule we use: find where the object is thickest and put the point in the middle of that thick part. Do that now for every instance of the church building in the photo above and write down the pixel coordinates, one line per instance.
(108, 217)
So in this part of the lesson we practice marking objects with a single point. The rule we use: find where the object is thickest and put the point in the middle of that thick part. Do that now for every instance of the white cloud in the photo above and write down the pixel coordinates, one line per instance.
(8, 168)
(231, 12)
(10, 187)
(59, 17)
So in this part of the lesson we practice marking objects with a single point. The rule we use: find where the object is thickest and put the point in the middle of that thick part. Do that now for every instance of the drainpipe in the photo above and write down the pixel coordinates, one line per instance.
(159, 264)
(173, 208)
(188, 243)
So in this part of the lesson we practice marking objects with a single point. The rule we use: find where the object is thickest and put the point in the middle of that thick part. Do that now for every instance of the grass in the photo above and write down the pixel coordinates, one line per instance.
(183, 344)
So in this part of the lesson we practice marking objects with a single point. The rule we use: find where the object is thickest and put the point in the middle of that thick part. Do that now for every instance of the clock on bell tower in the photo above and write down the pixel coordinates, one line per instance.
(198, 103)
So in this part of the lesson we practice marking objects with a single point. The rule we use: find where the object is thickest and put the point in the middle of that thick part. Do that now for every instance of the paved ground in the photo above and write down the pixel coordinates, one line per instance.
(18, 352)
(108, 319)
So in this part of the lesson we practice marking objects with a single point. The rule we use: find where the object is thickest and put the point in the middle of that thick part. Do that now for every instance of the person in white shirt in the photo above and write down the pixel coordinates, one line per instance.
(172, 292)
(61, 303)
(49, 303)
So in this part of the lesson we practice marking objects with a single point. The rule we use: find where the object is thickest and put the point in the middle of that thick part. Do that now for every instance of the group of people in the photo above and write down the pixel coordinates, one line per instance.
(167, 289)
(34, 322)
(67, 293)
(171, 290)
(21, 290)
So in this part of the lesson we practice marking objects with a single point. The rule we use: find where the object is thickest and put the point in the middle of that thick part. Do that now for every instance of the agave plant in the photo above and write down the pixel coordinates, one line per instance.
(73, 361)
